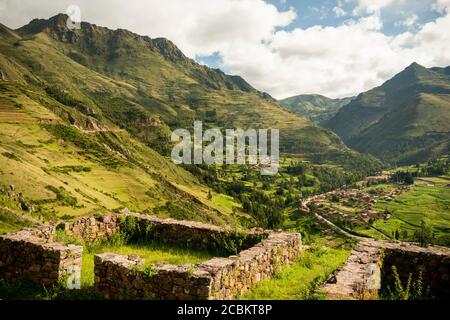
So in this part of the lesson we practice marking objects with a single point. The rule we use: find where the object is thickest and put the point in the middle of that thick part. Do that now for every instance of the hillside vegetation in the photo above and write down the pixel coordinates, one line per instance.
(86, 117)
(50, 169)
(144, 85)
(406, 120)
(315, 107)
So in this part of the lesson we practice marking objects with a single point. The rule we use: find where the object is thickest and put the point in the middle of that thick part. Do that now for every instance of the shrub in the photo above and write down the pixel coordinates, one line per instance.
(424, 235)
(230, 243)
(131, 231)
(11, 156)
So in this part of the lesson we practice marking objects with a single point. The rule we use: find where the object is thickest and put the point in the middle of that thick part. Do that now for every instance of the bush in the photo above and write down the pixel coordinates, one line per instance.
(11, 156)
(131, 231)
(230, 243)
(424, 235)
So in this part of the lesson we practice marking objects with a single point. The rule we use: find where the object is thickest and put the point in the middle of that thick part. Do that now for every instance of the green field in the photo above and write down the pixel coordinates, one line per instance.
(424, 202)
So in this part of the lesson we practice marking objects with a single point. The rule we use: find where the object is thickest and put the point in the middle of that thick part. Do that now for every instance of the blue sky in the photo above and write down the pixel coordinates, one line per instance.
(320, 12)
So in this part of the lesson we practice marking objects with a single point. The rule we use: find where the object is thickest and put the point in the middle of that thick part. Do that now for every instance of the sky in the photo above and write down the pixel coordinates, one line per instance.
(336, 48)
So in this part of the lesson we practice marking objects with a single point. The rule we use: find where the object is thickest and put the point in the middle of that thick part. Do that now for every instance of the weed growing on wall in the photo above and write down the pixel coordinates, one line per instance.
(410, 290)
(131, 231)
(230, 243)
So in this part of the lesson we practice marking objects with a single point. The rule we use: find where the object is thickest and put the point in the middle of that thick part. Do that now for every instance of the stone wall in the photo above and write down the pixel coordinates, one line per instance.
(432, 262)
(235, 275)
(189, 234)
(33, 253)
(92, 228)
(118, 277)
(126, 277)
(370, 266)
(193, 234)
(30, 253)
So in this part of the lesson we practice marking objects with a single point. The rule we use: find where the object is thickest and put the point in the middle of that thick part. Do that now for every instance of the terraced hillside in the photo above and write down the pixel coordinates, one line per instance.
(50, 169)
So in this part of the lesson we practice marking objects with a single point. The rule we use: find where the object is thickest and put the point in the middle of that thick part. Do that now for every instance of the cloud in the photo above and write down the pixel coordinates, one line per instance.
(410, 21)
(338, 61)
(372, 6)
(339, 12)
(197, 26)
(442, 6)
(252, 39)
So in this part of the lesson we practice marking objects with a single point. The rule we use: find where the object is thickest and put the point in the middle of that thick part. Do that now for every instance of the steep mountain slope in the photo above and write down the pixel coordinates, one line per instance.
(318, 108)
(56, 170)
(134, 82)
(86, 116)
(405, 120)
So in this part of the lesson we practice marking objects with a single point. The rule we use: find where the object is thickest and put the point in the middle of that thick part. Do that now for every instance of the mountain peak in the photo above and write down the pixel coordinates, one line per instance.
(417, 67)
(412, 74)
(414, 65)
(57, 22)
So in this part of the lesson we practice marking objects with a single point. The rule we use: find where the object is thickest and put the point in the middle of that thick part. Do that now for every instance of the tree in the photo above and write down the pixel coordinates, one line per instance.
(209, 195)
(404, 234)
(424, 235)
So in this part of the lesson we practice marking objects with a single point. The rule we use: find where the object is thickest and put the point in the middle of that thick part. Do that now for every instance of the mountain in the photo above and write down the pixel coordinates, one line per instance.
(131, 80)
(316, 107)
(405, 120)
(76, 142)
(86, 118)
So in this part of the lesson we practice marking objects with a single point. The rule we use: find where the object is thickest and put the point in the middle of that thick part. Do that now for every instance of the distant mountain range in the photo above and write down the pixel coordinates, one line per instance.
(406, 120)
(316, 107)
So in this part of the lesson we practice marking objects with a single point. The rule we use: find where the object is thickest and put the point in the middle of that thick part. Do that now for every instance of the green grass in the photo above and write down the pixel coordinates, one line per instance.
(224, 201)
(299, 281)
(154, 253)
(422, 202)
(10, 222)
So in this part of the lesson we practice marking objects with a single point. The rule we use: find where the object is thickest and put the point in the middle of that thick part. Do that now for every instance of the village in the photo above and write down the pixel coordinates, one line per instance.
(348, 208)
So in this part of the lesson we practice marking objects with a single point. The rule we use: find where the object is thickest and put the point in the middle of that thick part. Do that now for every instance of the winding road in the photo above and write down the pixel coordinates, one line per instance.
(328, 222)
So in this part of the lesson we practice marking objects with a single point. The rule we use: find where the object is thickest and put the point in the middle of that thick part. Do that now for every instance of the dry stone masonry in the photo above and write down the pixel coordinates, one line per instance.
(32, 253)
(92, 228)
(359, 277)
(119, 277)
(192, 234)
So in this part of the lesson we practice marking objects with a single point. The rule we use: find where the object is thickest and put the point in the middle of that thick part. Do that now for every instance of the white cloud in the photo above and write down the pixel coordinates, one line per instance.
(339, 12)
(372, 6)
(442, 6)
(338, 61)
(409, 22)
(196, 26)
(250, 38)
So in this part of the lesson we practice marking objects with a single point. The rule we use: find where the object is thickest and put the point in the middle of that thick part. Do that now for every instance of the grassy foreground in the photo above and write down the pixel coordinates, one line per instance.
(299, 281)
(151, 253)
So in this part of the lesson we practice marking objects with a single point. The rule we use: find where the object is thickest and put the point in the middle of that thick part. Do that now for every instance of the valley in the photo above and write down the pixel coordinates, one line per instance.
(85, 123)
